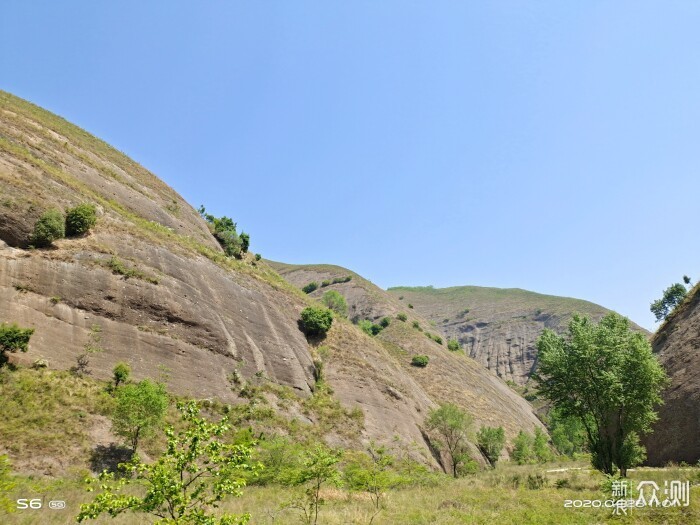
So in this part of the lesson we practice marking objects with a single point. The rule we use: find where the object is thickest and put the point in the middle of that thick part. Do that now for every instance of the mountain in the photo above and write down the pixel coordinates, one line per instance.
(150, 285)
(676, 434)
(498, 327)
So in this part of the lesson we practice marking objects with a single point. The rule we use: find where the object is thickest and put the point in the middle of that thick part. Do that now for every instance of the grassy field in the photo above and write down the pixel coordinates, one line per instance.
(501, 496)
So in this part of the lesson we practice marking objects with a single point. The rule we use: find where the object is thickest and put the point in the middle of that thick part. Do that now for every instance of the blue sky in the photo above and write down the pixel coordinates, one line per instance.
(551, 146)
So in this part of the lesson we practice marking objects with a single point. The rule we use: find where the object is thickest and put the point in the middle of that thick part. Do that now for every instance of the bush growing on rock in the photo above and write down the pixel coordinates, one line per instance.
(420, 361)
(316, 321)
(13, 338)
(50, 227)
(310, 287)
(402, 317)
(336, 302)
(453, 345)
(81, 219)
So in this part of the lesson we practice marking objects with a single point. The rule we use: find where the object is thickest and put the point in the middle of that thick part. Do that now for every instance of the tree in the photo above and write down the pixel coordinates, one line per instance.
(319, 467)
(672, 297)
(139, 410)
(224, 231)
(50, 227)
(120, 373)
(370, 473)
(452, 425)
(568, 434)
(81, 219)
(184, 486)
(316, 321)
(336, 302)
(540, 447)
(490, 441)
(606, 376)
(522, 448)
(245, 242)
(12, 339)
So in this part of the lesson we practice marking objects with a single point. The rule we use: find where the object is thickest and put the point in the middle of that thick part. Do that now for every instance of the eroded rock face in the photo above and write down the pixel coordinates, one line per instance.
(676, 435)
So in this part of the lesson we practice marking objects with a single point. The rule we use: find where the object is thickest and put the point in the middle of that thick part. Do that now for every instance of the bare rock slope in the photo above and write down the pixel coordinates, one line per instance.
(676, 435)
(150, 285)
(498, 327)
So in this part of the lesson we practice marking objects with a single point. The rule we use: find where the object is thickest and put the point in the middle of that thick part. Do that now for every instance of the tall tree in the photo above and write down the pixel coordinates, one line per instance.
(139, 410)
(607, 377)
(452, 425)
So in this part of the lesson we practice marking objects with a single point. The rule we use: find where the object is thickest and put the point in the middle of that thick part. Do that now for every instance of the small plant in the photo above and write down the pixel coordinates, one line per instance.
(536, 481)
(420, 361)
(310, 287)
(258, 256)
(55, 300)
(369, 327)
(339, 280)
(50, 227)
(325, 283)
(410, 306)
(384, 322)
(120, 374)
(81, 219)
(453, 345)
(402, 317)
(437, 339)
(316, 321)
(416, 325)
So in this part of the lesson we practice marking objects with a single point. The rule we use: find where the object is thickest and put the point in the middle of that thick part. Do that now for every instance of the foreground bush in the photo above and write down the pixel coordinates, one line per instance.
(316, 321)
(185, 485)
(81, 219)
(50, 227)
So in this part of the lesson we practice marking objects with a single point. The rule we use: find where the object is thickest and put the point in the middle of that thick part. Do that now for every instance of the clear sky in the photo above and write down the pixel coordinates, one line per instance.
(552, 146)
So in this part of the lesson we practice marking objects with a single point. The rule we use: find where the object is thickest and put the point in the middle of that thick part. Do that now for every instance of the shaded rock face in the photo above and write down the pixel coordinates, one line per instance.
(449, 377)
(676, 435)
(497, 327)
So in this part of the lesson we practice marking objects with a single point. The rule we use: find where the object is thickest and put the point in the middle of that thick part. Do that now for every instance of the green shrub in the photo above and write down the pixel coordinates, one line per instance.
(325, 283)
(490, 441)
(316, 321)
(420, 360)
(50, 227)
(120, 373)
(336, 302)
(310, 287)
(410, 306)
(384, 322)
(224, 231)
(437, 339)
(339, 280)
(81, 219)
(369, 327)
(453, 345)
(13, 338)
(245, 242)
(416, 325)
(258, 256)
(402, 317)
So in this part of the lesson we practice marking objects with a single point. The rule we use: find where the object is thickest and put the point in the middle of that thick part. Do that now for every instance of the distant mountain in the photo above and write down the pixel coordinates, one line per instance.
(676, 435)
(497, 326)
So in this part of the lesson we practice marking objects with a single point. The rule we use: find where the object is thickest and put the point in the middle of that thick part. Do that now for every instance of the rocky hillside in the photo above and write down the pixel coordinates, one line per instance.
(497, 326)
(151, 286)
(450, 376)
(676, 435)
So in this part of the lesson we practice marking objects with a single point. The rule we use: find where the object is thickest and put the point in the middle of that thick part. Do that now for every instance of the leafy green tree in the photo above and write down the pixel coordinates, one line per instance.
(523, 448)
(81, 219)
(319, 468)
(120, 373)
(568, 434)
(491, 441)
(371, 473)
(672, 297)
(13, 339)
(452, 426)
(606, 376)
(336, 302)
(50, 227)
(139, 410)
(540, 447)
(245, 242)
(186, 484)
(316, 321)
(224, 231)
(453, 345)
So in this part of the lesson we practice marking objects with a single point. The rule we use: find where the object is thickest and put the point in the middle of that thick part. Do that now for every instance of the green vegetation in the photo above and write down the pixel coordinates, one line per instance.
(384, 322)
(187, 483)
(224, 231)
(13, 339)
(672, 297)
(531, 448)
(420, 361)
(606, 376)
(369, 327)
(568, 434)
(452, 425)
(410, 306)
(81, 219)
(491, 441)
(453, 345)
(402, 317)
(118, 267)
(336, 302)
(316, 321)
(139, 410)
(120, 374)
(325, 283)
(434, 337)
(49, 228)
(416, 325)
(310, 287)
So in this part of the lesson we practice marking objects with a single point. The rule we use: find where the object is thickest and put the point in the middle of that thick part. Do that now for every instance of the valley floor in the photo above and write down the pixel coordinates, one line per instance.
(507, 495)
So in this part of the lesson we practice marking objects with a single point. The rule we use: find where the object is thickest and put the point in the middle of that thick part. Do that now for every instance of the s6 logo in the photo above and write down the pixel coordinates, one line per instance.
(25, 503)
